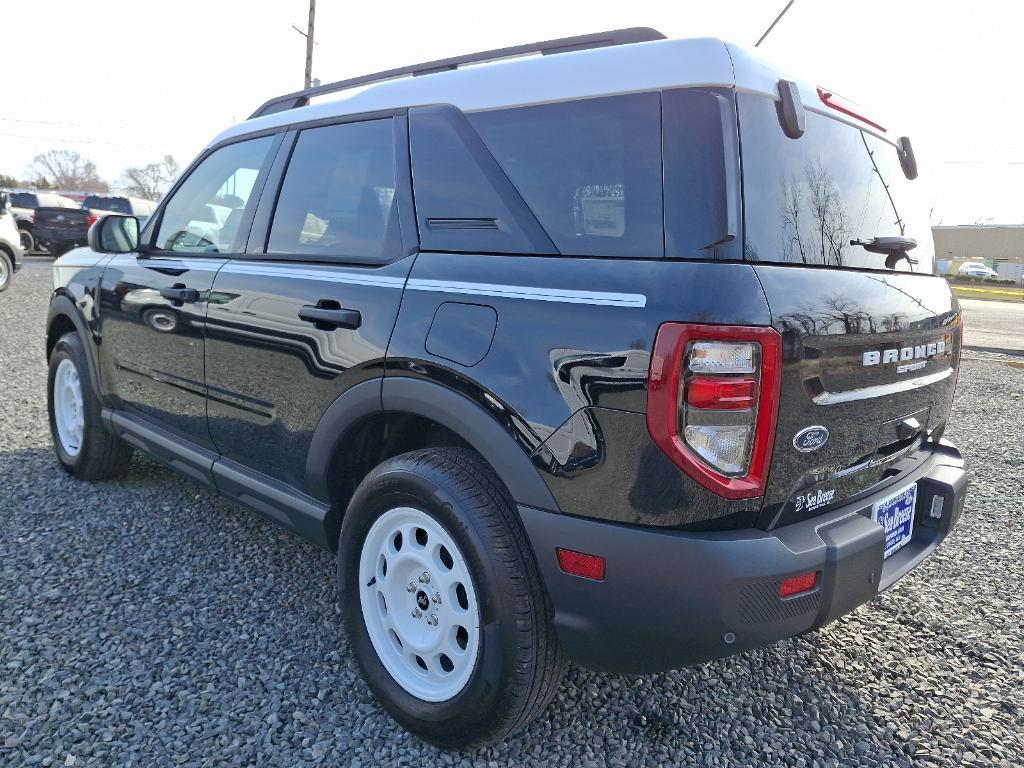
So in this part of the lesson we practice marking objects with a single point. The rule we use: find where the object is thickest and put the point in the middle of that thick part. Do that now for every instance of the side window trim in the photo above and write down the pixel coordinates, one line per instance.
(259, 235)
(155, 221)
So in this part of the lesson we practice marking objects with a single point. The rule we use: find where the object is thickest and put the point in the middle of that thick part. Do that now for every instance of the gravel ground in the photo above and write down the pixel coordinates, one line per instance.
(147, 622)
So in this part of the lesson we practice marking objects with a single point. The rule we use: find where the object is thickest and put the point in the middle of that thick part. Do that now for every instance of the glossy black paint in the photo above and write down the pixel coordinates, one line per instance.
(567, 379)
(152, 355)
(828, 320)
(271, 375)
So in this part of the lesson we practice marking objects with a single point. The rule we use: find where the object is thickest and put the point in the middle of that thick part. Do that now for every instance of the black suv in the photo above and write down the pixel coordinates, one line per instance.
(626, 355)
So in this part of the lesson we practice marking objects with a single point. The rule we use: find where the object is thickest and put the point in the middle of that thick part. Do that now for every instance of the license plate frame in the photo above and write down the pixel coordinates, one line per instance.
(892, 514)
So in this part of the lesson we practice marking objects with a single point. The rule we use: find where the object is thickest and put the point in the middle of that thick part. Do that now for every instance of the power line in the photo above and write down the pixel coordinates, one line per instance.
(43, 139)
(772, 26)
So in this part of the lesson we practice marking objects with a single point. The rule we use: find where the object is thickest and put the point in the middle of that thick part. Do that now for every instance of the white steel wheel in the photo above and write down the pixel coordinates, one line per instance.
(68, 408)
(419, 604)
(5, 273)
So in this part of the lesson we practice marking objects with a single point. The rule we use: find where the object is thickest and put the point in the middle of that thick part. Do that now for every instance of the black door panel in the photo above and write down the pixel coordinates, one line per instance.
(152, 351)
(271, 373)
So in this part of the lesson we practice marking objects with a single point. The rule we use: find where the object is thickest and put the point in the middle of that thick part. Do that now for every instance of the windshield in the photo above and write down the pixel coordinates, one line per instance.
(806, 198)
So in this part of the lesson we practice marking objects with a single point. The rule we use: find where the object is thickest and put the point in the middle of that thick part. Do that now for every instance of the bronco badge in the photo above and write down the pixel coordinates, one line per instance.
(810, 439)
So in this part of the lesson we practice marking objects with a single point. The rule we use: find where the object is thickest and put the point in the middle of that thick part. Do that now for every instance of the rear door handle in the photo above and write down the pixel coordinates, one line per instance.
(180, 294)
(327, 318)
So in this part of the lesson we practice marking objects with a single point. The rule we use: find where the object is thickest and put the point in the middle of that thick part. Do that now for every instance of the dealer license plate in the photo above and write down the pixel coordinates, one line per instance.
(896, 515)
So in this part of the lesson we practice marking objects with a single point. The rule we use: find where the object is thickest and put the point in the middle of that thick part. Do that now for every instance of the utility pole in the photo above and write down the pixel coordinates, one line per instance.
(309, 44)
(308, 34)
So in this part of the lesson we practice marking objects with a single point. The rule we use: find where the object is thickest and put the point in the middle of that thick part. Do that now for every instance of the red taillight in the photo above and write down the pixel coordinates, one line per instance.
(580, 564)
(794, 585)
(712, 402)
(721, 394)
(847, 107)
(92, 220)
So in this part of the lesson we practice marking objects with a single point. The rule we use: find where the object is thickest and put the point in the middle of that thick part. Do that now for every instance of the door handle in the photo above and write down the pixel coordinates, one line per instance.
(327, 318)
(180, 294)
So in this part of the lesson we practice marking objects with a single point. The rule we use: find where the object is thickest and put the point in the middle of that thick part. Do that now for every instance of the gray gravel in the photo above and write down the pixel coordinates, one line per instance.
(148, 622)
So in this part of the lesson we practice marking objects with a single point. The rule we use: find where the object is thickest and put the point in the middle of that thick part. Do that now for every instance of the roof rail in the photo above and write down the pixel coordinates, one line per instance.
(545, 48)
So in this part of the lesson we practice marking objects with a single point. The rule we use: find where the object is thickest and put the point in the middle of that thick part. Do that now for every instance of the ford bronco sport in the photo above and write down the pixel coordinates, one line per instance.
(630, 354)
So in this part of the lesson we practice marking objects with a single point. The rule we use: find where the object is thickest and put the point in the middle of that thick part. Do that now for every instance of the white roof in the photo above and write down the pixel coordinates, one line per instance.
(632, 68)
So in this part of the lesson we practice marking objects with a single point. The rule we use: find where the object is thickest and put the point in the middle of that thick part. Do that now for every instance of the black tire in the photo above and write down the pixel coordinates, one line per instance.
(519, 664)
(102, 455)
(6, 270)
(28, 240)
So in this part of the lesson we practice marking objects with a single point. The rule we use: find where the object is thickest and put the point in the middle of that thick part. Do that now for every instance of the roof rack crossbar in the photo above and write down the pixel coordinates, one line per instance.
(545, 48)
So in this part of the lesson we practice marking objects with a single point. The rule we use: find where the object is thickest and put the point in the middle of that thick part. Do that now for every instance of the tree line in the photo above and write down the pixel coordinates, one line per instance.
(67, 170)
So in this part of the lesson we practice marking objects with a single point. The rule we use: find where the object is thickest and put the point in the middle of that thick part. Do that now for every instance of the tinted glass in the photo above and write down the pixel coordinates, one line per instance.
(206, 211)
(806, 198)
(112, 204)
(590, 170)
(338, 195)
(23, 200)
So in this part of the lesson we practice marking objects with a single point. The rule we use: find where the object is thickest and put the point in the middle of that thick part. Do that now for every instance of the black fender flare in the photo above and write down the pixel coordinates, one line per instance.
(62, 306)
(420, 397)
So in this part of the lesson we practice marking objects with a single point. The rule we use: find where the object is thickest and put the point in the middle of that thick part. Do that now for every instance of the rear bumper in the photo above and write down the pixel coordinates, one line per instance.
(671, 598)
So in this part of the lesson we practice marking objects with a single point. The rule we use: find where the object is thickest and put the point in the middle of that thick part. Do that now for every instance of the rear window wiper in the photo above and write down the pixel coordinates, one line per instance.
(895, 248)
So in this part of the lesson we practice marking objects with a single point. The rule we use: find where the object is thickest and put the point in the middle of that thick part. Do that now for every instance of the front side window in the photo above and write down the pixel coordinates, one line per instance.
(338, 195)
(589, 170)
(206, 212)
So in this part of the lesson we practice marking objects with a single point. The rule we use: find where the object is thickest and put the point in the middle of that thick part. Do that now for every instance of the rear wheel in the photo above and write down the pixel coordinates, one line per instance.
(443, 601)
(84, 447)
(28, 241)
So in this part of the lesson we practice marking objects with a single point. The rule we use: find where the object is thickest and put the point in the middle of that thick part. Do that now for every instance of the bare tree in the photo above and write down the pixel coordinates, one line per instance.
(150, 181)
(66, 169)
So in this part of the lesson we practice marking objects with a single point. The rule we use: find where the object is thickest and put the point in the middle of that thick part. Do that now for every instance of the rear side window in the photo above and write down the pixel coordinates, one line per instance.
(24, 200)
(806, 198)
(338, 195)
(589, 170)
(112, 204)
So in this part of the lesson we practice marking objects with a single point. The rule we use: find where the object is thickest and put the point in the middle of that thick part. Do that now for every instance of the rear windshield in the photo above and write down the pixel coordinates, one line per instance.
(806, 198)
(112, 204)
(23, 200)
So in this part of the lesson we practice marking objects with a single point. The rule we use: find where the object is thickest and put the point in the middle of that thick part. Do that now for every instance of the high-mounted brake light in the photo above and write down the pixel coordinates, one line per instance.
(712, 403)
(845, 106)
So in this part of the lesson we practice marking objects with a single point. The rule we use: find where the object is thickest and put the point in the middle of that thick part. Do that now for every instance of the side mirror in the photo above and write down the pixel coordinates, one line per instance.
(114, 234)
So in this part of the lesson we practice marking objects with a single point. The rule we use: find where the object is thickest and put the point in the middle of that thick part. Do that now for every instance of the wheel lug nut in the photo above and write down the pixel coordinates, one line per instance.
(432, 621)
(417, 613)
(411, 587)
(437, 598)
(425, 577)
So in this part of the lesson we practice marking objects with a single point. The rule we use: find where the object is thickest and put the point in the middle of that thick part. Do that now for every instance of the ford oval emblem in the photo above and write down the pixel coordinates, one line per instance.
(810, 439)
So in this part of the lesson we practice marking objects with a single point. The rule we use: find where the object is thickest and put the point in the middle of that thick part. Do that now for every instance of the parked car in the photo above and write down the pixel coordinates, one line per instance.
(10, 242)
(58, 230)
(975, 269)
(101, 205)
(552, 372)
(25, 204)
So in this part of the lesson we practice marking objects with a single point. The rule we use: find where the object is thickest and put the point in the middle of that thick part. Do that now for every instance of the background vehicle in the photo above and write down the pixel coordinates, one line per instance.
(25, 204)
(10, 245)
(551, 370)
(58, 230)
(975, 269)
(101, 205)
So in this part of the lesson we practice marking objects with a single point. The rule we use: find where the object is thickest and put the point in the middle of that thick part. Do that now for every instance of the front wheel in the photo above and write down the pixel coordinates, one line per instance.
(443, 601)
(84, 447)
(6, 270)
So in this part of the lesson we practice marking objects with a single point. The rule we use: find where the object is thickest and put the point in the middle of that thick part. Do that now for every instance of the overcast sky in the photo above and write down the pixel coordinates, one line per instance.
(125, 82)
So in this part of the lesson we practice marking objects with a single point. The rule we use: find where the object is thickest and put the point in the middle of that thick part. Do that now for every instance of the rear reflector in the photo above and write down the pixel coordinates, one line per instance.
(794, 585)
(580, 564)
